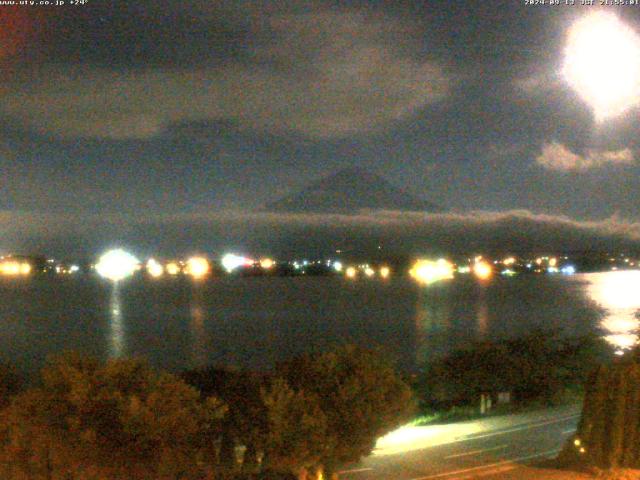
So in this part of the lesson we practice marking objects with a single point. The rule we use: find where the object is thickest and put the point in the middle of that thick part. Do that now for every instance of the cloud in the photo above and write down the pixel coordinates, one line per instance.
(323, 74)
(401, 233)
(555, 156)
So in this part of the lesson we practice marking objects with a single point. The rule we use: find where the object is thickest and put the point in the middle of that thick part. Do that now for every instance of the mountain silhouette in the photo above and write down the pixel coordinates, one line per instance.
(349, 191)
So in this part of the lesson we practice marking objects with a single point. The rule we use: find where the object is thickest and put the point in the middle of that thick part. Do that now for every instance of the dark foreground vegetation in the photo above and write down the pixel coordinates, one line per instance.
(89, 420)
(123, 420)
(543, 368)
(608, 435)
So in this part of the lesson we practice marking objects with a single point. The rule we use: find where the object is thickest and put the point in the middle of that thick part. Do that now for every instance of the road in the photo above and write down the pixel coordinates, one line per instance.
(469, 449)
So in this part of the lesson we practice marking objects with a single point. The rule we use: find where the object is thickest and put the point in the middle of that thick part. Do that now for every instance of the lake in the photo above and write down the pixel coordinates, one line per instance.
(177, 323)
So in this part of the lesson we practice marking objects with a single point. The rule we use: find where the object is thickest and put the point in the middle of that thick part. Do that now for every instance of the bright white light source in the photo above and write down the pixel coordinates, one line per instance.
(231, 261)
(337, 266)
(602, 63)
(116, 265)
(385, 272)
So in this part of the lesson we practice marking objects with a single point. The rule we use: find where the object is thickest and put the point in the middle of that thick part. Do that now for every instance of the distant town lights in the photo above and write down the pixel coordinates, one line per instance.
(385, 272)
(116, 265)
(173, 268)
(428, 271)
(267, 263)
(230, 262)
(197, 267)
(482, 270)
(154, 268)
(14, 268)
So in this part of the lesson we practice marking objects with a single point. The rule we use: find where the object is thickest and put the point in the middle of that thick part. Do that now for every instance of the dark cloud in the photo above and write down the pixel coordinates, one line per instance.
(401, 233)
(155, 108)
(323, 74)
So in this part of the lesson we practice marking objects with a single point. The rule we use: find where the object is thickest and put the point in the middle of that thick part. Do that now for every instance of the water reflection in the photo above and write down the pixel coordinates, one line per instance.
(199, 350)
(483, 315)
(617, 293)
(432, 324)
(197, 330)
(116, 325)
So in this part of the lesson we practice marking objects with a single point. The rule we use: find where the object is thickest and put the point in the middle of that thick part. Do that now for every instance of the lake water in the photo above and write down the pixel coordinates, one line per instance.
(253, 322)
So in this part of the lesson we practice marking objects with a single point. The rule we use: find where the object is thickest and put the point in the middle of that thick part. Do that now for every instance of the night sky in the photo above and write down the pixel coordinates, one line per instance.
(166, 125)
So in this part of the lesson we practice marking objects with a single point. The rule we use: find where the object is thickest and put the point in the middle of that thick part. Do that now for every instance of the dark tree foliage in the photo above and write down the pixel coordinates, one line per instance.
(608, 434)
(536, 367)
(10, 384)
(360, 393)
(246, 422)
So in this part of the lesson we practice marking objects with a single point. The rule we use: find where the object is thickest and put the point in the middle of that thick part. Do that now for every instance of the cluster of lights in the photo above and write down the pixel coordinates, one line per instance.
(427, 272)
(367, 270)
(14, 268)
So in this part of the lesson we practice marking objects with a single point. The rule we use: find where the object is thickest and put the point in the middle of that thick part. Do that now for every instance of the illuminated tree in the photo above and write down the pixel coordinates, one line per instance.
(119, 420)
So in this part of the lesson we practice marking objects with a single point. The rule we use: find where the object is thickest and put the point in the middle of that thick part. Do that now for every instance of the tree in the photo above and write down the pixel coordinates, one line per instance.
(113, 420)
(360, 394)
(608, 434)
(296, 428)
(10, 384)
(246, 419)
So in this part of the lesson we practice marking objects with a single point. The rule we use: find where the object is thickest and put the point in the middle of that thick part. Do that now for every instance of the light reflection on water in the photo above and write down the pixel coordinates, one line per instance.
(618, 293)
(255, 322)
(116, 325)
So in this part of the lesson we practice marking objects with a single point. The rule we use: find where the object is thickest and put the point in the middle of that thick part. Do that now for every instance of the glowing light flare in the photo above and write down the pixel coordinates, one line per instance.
(482, 270)
(197, 267)
(385, 272)
(173, 268)
(14, 268)
(427, 272)
(267, 263)
(509, 261)
(602, 63)
(337, 266)
(116, 265)
(369, 272)
(351, 272)
(231, 262)
(154, 268)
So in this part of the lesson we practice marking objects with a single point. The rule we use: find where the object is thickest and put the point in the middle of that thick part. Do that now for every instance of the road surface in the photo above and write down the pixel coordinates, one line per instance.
(467, 450)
